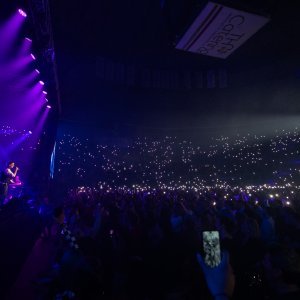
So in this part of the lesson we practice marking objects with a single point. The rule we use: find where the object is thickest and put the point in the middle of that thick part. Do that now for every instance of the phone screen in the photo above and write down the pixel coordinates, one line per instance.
(211, 247)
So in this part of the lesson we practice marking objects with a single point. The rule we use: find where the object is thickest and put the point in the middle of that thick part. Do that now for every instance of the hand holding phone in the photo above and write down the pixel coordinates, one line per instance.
(220, 280)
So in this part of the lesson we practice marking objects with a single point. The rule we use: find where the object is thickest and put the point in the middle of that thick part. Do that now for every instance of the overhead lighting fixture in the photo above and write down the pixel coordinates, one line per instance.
(45, 93)
(22, 12)
(37, 71)
(32, 56)
(48, 106)
(42, 82)
(28, 40)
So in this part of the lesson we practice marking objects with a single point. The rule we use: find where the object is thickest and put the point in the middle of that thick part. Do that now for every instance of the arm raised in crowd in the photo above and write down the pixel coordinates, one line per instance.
(220, 280)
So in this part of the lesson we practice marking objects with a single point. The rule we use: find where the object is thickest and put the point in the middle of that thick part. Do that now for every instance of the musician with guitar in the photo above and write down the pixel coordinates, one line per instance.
(7, 177)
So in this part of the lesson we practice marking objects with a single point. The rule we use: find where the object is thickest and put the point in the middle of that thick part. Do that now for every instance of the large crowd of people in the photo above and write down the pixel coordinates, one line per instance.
(172, 163)
(149, 245)
(131, 225)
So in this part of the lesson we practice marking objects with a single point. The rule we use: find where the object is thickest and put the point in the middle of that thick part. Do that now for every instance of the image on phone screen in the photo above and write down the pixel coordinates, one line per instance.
(211, 247)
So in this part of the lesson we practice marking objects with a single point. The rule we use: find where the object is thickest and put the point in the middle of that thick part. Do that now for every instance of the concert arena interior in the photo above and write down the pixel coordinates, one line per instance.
(149, 150)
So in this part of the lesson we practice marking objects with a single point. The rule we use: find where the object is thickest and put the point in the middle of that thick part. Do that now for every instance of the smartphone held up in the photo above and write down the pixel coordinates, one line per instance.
(211, 248)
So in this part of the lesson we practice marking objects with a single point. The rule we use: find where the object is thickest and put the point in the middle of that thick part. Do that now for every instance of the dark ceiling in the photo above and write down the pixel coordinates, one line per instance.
(148, 30)
(263, 73)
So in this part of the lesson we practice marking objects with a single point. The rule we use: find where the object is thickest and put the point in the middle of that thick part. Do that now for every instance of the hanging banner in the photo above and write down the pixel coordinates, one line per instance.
(219, 30)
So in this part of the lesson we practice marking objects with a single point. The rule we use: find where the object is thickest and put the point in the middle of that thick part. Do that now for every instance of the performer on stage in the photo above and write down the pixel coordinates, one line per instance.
(6, 178)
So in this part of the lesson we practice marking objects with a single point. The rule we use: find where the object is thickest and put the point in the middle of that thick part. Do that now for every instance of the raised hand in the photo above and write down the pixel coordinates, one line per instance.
(220, 280)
